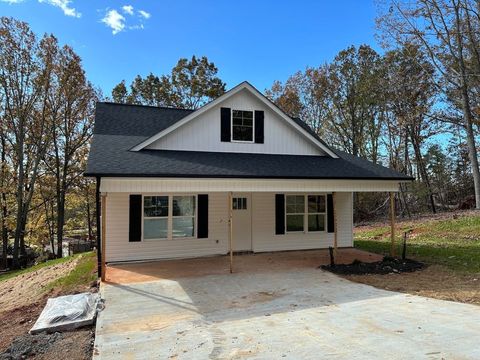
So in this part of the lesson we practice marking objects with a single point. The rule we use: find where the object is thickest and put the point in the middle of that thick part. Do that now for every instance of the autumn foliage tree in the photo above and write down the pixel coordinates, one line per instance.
(46, 107)
(190, 84)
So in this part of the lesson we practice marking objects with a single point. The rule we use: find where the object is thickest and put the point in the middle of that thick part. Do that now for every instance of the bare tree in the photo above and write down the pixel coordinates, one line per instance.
(447, 30)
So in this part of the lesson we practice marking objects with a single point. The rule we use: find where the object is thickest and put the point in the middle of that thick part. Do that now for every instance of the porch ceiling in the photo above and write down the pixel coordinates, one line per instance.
(196, 185)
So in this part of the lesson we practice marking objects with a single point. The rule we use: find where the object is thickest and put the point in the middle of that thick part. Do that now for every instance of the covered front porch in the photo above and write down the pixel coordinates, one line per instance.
(235, 215)
(243, 264)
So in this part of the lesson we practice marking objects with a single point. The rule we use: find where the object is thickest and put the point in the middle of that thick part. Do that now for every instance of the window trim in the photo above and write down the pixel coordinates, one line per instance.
(253, 127)
(170, 218)
(155, 217)
(287, 214)
(305, 213)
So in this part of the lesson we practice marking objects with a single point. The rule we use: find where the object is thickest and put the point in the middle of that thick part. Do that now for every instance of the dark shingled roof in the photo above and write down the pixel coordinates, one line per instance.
(118, 128)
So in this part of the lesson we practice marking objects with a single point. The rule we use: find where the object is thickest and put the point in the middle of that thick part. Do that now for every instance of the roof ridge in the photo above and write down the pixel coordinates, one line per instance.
(147, 106)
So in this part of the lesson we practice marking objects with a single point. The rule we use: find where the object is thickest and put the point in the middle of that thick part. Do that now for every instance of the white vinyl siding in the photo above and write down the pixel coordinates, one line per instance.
(203, 132)
(263, 230)
(118, 248)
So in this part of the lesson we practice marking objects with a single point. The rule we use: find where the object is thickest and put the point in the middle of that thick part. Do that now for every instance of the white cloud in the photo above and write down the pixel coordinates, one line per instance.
(145, 14)
(12, 1)
(128, 9)
(114, 20)
(64, 5)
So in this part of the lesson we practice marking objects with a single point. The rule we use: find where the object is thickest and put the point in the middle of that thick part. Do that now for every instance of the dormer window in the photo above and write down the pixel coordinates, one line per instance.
(242, 125)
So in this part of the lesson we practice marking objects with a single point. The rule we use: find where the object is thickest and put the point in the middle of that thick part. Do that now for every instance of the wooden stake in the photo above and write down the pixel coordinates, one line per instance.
(104, 211)
(230, 228)
(335, 238)
(392, 224)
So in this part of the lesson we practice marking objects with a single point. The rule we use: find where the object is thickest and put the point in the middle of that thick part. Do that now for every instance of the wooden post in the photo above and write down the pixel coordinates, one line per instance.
(392, 224)
(230, 228)
(104, 211)
(335, 237)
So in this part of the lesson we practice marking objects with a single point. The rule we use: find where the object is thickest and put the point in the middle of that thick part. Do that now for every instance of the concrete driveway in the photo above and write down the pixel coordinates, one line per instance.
(296, 313)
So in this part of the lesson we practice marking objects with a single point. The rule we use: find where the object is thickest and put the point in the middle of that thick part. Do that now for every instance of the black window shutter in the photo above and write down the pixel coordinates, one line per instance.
(202, 228)
(135, 218)
(330, 214)
(225, 114)
(279, 214)
(259, 124)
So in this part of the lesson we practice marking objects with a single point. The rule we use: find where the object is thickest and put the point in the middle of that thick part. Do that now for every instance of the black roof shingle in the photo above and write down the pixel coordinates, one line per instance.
(118, 128)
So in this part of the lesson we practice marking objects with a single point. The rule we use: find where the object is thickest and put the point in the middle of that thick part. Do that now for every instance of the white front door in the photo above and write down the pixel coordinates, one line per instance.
(242, 221)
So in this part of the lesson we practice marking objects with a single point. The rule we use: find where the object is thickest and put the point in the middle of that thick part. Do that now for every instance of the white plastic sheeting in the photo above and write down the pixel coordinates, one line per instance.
(67, 313)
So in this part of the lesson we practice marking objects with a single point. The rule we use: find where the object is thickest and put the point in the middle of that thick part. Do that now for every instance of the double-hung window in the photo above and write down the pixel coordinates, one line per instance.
(242, 125)
(305, 212)
(166, 217)
(295, 212)
(155, 217)
(316, 212)
(183, 224)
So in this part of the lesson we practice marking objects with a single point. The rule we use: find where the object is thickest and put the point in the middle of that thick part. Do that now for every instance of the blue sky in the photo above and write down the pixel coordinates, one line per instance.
(258, 41)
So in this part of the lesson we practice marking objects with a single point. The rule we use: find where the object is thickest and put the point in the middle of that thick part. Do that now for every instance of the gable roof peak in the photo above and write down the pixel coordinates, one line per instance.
(255, 92)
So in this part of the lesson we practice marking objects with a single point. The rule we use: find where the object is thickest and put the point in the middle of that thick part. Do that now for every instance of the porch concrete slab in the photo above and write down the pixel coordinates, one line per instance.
(217, 265)
(301, 313)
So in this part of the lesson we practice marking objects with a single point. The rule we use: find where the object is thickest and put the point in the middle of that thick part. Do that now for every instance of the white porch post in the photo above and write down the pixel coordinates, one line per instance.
(103, 225)
(230, 228)
(335, 238)
(392, 224)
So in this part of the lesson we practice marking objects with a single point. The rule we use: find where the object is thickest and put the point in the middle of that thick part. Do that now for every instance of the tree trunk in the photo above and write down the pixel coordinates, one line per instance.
(4, 206)
(19, 229)
(60, 223)
(467, 111)
(421, 169)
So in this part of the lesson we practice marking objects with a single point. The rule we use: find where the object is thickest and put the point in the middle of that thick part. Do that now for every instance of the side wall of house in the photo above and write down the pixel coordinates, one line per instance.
(118, 248)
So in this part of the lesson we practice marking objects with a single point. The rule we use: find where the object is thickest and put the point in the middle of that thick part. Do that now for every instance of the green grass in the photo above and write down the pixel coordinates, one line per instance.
(83, 274)
(39, 266)
(454, 243)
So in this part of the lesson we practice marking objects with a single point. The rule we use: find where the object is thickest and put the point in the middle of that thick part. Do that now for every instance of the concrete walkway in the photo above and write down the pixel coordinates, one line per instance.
(302, 313)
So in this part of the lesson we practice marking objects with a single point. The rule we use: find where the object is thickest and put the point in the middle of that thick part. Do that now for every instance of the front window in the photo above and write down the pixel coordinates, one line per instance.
(295, 212)
(183, 216)
(155, 217)
(316, 212)
(163, 215)
(242, 125)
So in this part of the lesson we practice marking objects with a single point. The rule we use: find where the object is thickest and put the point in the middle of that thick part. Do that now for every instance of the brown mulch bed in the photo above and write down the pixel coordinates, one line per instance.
(388, 265)
(435, 281)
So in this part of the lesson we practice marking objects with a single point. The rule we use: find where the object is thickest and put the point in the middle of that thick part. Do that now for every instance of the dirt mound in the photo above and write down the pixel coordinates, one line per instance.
(388, 265)
(24, 289)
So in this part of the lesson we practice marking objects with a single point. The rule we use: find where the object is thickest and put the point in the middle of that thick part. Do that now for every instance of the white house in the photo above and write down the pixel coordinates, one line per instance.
(237, 174)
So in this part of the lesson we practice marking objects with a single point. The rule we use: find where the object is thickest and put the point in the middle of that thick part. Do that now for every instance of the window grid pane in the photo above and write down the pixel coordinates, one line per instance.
(155, 228)
(295, 222)
(239, 203)
(155, 206)
(295, 204)
(183, 226)
(316, 222)
(242, 125)
(316, 204)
